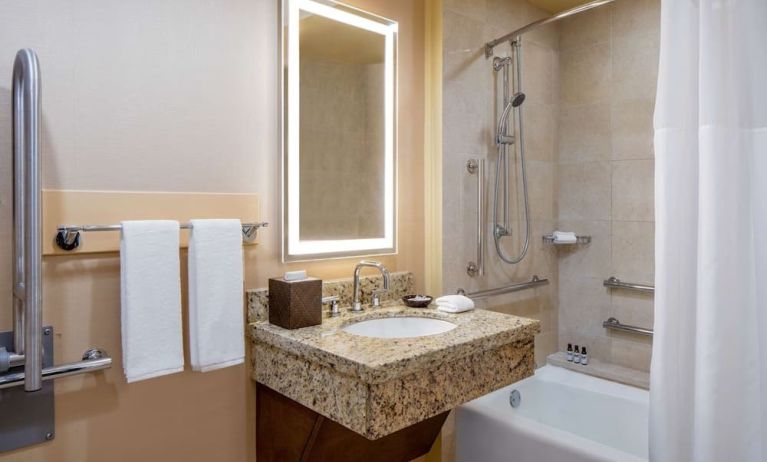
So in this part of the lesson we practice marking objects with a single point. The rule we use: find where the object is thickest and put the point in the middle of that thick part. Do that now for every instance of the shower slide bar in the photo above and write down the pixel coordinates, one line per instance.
(613, 323)
(68, 237)
(534, 282)
(615, 283)
(27, 249)
(477, 268)
(512, 36)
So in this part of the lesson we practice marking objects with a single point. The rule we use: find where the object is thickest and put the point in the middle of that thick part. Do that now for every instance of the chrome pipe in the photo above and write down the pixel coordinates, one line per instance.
(512, 36)
(615, 283)
(477, 267)
(613, 323)
(93, 360)
(27, 249)
(534, 282)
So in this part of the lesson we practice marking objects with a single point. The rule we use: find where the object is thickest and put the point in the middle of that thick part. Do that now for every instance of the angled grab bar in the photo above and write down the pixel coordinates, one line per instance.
(535, 281)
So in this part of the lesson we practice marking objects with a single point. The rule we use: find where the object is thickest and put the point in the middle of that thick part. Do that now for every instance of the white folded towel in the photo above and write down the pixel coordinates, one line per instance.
(216, 319)
(565, 237)
(150, 291)
(454, 303)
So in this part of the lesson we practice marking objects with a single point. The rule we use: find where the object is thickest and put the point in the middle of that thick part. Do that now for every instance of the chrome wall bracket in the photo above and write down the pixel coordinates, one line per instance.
(27, 418)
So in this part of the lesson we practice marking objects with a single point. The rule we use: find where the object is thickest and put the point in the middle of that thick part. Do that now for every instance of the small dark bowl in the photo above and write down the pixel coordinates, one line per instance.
(412, 303)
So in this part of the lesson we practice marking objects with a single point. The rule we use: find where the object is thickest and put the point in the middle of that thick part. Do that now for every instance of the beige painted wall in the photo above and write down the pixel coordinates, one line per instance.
(169, 96)
(608, 62)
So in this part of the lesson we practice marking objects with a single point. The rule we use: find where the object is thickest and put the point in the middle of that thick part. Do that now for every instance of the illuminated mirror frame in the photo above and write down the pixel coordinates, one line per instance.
(295, 249)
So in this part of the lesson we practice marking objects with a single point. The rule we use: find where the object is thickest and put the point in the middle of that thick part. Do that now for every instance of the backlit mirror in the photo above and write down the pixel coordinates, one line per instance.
(339, 68)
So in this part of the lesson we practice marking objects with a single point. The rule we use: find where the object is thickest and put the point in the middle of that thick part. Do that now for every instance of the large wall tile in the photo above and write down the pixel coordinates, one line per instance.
(631, 123)
(584, 133)
(585, 74)
(633, 190)
(584, 191)
(585, 29)
(633, 251)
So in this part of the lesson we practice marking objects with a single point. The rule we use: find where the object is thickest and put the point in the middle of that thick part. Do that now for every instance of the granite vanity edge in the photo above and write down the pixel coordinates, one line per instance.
(378, 374)
(377, 410)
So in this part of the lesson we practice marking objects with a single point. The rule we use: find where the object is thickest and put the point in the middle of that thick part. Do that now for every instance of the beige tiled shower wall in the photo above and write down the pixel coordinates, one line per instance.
(608, 63)
(470, 111)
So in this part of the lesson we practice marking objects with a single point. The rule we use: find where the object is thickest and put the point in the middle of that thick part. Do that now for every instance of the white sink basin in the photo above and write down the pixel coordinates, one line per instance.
(399, 327)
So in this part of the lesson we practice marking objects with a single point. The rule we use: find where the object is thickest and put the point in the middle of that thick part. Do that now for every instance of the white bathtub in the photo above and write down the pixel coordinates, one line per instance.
(563, 416)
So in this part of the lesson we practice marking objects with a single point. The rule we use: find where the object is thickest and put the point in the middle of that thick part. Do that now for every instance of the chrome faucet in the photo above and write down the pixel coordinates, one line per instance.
(357, 303)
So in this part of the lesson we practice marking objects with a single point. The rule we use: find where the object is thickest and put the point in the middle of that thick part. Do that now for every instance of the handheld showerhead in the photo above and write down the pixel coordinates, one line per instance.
(517, 99)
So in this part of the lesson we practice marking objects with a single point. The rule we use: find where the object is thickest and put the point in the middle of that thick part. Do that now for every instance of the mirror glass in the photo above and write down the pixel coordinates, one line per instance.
(339, 116)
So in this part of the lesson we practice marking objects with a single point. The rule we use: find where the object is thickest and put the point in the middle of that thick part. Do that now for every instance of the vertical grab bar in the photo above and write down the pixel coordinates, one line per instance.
(478, 268)
(27, 250)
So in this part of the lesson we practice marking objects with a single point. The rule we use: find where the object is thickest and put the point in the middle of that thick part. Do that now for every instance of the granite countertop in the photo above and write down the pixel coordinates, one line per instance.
(376, 360)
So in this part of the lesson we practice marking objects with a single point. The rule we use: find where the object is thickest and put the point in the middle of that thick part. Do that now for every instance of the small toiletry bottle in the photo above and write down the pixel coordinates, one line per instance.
(584, 356)
(570, 352)
(576, 355)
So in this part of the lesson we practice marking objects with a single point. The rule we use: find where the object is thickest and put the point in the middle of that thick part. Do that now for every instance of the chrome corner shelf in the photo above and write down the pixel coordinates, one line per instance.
(613, 323)
(69, 237)
(615, 283)
(579, 240)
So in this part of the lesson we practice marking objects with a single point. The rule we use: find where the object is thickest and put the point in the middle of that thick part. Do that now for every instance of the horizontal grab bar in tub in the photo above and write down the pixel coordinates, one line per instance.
(615, 283)
(613, 323)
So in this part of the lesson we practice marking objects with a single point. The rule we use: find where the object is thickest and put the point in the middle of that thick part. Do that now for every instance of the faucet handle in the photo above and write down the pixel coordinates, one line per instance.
(376, 298)
(333, 301)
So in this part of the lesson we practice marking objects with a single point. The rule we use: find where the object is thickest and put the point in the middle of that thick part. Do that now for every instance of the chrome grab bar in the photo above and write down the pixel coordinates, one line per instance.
(535, 281)
(478, 268)
(93, 360)
(27, 245)
(27, 248)
(615, 283)
(613, 323)
(68, 237)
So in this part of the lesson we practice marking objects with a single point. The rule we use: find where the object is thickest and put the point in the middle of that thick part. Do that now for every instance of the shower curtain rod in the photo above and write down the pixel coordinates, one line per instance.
(541, 22)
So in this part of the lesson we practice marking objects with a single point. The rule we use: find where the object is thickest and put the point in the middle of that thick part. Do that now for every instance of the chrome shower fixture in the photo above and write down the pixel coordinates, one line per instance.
(504, 139)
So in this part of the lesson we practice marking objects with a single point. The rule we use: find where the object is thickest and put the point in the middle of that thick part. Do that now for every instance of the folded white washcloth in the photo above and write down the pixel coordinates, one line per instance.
(454, 303)
(150, 290)
(216, 320)
(565, 237)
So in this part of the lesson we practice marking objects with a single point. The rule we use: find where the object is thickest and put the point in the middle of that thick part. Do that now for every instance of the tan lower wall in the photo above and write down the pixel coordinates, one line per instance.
(169, 96)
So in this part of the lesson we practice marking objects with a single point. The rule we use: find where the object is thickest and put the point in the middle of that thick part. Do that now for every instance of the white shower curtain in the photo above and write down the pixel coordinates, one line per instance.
(708, 393)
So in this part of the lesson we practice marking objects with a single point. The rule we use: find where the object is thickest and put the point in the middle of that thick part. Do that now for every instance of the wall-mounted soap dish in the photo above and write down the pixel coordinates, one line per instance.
(579, 240)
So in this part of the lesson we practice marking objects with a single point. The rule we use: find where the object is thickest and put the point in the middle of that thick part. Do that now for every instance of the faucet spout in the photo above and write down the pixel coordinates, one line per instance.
(357, 302)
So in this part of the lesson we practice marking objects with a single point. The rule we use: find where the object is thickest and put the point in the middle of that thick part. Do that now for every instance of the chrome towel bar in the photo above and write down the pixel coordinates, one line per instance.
(534, 282)
(615, 283)
(613, 323)
(69, 237)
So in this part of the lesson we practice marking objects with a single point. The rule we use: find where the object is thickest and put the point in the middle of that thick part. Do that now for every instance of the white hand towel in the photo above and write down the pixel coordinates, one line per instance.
(564, 237)
(216, 316)
(150, 291)
(454, 303)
